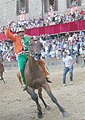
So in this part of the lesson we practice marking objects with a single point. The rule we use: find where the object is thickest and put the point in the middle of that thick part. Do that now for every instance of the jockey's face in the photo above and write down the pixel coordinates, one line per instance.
(21, 34)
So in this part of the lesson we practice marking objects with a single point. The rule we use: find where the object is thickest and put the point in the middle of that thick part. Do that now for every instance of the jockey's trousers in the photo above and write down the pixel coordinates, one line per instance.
(22, 59)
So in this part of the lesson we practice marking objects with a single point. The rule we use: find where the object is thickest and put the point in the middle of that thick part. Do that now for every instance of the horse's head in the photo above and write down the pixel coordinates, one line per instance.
(34, 48)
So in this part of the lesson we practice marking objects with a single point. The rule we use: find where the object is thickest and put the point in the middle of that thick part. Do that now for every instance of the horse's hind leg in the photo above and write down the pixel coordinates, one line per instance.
(35, 98)
(2, 77)
(3, 80)
(40, 95)
(48, 90)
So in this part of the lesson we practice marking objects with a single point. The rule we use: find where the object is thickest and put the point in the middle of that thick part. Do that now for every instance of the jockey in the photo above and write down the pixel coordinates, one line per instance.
(21, 44)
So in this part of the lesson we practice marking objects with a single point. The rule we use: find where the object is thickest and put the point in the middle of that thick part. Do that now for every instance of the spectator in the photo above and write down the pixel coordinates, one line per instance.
(68, 67)
(74, 3)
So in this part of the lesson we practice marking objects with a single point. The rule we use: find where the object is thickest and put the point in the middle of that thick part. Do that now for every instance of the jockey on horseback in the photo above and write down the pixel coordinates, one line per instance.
(21, 45)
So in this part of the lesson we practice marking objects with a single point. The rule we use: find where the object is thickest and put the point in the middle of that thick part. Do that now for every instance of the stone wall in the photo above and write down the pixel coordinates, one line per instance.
(8, 9)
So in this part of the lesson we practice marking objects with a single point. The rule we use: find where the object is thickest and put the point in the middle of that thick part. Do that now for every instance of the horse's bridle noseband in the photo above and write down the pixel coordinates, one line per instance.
(35, 55)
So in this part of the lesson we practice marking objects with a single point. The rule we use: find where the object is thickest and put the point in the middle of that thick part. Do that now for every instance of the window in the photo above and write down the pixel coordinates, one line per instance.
(48, 3)
(54, 3)
(51, 2)
(68, 3)
(22, 6)
(73, 3)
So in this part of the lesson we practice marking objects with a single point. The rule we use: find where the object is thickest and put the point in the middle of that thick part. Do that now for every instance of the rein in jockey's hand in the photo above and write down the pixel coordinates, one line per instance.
(11, 23)
(27, 52)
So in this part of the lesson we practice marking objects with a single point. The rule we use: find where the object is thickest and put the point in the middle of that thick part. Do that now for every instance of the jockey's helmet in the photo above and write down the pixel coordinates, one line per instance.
(20, 29)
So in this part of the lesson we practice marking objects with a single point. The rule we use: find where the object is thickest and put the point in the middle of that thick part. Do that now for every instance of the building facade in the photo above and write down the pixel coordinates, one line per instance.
(21, 9)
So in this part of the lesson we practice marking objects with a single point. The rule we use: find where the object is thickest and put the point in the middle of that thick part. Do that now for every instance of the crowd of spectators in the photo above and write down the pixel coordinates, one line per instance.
(52, 46)
(73, 43)
(6, 49)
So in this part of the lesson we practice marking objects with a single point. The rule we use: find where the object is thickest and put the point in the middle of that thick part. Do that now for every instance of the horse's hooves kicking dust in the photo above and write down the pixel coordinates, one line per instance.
(65, 114)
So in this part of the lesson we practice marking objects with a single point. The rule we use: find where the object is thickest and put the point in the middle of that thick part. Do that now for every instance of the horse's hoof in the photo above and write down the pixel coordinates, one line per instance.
(40, 115)
(65, 114)
(4, 81)
(48, 107)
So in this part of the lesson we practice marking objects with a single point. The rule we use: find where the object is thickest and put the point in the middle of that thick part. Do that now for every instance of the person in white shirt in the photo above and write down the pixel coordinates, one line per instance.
(68, 67)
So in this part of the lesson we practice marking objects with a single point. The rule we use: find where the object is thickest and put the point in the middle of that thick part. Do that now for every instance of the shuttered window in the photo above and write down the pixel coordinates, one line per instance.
(55, 5)
(47, 3)
(22, 5)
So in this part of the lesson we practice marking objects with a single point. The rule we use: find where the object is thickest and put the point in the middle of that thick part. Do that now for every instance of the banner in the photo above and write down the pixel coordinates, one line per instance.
(82, 25)
(64, 27)
(59, 28)
(73, 26)
(2, 37)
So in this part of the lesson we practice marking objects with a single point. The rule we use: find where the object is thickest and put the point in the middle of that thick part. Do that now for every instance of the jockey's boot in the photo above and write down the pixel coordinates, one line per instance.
(24, 87)
(47, 79)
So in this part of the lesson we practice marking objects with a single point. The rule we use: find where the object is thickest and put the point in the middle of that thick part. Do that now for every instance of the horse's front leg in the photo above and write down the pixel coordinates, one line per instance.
(35, 98)
(40, 95)
(48, 90)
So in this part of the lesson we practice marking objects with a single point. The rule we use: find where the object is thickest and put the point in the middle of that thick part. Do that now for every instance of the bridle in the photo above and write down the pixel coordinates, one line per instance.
(35, 55)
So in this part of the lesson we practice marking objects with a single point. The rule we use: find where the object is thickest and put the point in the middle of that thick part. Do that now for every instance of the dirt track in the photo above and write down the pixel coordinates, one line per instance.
(17, 105)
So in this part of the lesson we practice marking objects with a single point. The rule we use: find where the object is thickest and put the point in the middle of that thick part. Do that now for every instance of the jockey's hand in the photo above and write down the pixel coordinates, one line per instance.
(27, 52)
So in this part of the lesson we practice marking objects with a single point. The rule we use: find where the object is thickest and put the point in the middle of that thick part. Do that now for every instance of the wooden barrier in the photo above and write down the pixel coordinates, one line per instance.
(50, 63)
(10, 65)
(53, 63)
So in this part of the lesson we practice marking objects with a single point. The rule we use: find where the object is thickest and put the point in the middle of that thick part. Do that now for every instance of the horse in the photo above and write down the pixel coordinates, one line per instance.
(1, 71)
(35, 79)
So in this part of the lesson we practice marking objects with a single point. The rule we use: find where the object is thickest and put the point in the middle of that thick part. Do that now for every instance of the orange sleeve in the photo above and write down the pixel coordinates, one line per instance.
(9, 34)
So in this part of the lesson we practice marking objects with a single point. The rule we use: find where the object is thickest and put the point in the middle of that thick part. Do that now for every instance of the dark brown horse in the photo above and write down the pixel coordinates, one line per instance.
(1, 72)
(36, 79)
